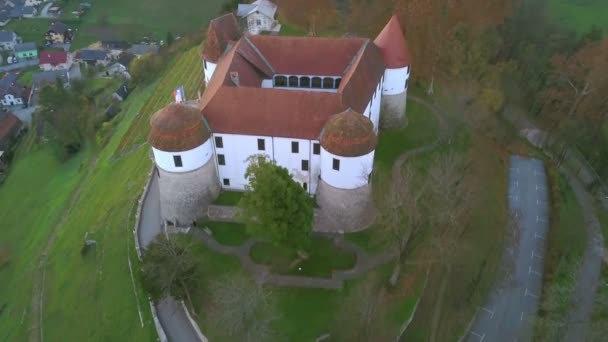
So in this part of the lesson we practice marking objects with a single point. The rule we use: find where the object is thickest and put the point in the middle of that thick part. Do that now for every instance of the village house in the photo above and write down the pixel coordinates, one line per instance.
(58, 33)
(11, 93)
(33, 3)
(313, 105)
(116, 69)
(122, 92)
(8, 40)
(10, 126)
(144, 49)
(55, 60)
(259, 16)
(26, 51)
(93, 57)
(115, 47)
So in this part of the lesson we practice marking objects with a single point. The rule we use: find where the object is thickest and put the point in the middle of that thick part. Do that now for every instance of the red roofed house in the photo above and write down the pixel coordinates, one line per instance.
(55, 60)
(10, 125)
(310, 104)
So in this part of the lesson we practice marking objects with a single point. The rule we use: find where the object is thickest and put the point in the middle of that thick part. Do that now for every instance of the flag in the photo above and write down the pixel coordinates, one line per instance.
(178, 95)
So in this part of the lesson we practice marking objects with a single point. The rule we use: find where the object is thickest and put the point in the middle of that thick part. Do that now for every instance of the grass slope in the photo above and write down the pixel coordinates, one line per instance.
(580, 15)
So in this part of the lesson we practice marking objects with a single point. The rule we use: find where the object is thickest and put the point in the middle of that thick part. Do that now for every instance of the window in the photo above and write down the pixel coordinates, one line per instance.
(293, 81)
(226, 182)
(328, 83)
(316, 148)
(336, 164)
(338, 80)
(261, 145)
(295, 147)
(316, 82)
(280, 81)
(304, 165)
(305, 186)
(219, 142)
(177, 160)
(221, 160)
(258, 22)
(304, 82)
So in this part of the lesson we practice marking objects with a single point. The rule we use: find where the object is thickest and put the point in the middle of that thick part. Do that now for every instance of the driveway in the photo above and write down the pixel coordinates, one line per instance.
(508, 315)
(171, 313)
(24, 114)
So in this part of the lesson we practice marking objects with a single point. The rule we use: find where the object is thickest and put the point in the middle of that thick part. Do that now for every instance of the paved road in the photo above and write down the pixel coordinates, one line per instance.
(20, 65)
(509, 312)
(171, 314)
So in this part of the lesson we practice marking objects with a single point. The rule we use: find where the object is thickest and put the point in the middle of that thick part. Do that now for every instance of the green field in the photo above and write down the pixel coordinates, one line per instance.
(580, 15)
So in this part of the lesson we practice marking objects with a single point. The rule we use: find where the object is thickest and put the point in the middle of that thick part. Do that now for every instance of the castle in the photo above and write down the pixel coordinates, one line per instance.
(313, 105)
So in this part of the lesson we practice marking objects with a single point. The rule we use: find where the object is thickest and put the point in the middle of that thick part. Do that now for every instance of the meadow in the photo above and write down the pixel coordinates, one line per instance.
(580, 15)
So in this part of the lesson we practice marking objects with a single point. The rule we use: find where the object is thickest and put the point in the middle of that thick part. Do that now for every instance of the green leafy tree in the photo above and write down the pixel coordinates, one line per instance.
(275, 207)
(170, 268)
(170, 38)
(145, 68)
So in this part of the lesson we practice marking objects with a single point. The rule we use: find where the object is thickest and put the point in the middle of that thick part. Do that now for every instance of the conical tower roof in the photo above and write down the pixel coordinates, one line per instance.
(349, 134)
(391, 42)
(178, 128)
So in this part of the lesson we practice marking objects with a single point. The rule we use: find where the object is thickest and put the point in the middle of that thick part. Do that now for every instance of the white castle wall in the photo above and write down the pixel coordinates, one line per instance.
(238, 148)
(191, 160)
(209, 69)
(372, 111)
(354, 171)
(395, 81)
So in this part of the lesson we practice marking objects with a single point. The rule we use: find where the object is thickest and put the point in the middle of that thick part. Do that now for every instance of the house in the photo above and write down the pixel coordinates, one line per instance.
(29, 11)
(122, 92)
(259, 16)
(115, 48)
(26, 51)
(313, 105)
(10, 126)
(4, 18)
(93, 57)
(58, 33)
(33, 3)
(144, 49)
(125, 59)
(116, 69)
(55, 60)
(8, 40)
(11, 93)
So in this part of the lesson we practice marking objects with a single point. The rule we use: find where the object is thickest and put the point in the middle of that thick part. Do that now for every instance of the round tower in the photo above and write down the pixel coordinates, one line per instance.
(391, 42)
(187, 175)
(348, 142)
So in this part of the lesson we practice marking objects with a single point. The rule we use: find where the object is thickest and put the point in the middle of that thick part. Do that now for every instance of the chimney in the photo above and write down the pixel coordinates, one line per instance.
(234, 77)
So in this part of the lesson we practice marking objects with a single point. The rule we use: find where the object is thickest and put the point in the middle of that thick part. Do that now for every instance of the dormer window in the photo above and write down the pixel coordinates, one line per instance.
(280, 81)
(316, 82)
(293, 81)
(328, 83)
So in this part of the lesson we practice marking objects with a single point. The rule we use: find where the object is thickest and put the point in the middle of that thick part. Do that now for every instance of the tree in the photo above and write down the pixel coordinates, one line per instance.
(170, 268)
(275, 207)
(145, 68)
(170, 38)
(400, 212)
(314, 15)
(242, 309)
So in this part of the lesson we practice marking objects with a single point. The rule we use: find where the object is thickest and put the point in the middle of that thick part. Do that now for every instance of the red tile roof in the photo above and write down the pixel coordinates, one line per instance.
(53, 57)
(393, 45)
(349, 134)
(177, 127)
(221, 32)
(9, 125)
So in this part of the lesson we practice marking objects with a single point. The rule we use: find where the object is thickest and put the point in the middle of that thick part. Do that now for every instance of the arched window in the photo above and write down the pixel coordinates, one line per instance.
(316, 82)
(328, 83)
(293, 81)
(338, 80)
(280, 81)
(304, 82)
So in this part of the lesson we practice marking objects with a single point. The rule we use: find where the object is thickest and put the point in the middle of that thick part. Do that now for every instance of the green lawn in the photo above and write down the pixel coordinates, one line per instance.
(229, 198)
(369, 239)
(323, 258)
(421, 129)
(25, 76)
(227, 233)
(580, 15)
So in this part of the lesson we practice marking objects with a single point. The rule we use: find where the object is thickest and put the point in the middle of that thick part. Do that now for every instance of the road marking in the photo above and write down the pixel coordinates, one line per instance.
(534, 255)
(540, 202)
(539, 188)
(538, 236)
(517, 184)
(521, 317)
(480, 336)
(514, 197)
(528, 293)
(530, 271)
(488, 311)
(538, 219)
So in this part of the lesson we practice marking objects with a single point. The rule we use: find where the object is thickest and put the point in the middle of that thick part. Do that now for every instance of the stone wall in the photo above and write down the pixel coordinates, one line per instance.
(393, 111)
(343, 210)
(184, 197)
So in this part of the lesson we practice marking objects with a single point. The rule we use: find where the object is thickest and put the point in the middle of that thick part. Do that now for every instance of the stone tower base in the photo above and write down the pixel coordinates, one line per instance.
(392, 115)
(343, 210)
(184, 197)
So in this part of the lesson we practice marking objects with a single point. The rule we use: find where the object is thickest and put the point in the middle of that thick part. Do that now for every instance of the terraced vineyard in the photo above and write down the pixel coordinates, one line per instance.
(186, 70)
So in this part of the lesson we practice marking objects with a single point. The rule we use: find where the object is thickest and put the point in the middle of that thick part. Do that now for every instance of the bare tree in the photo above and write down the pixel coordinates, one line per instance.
(170, 268)
(243, 309)
(400, 214)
